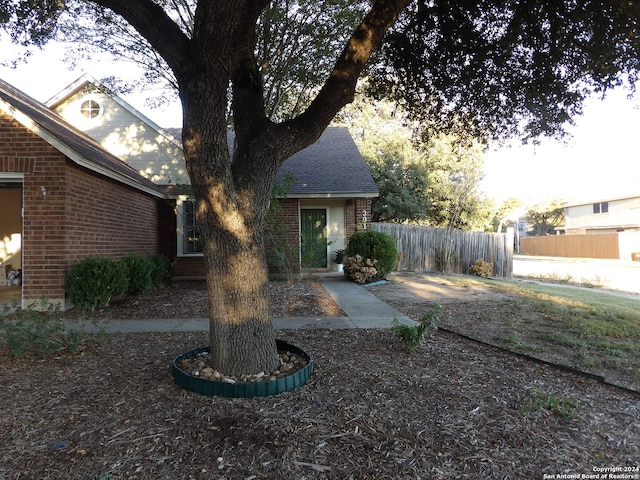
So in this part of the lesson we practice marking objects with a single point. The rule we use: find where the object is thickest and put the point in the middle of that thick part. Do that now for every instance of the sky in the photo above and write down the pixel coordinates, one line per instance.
(45, 74)
(601, 160)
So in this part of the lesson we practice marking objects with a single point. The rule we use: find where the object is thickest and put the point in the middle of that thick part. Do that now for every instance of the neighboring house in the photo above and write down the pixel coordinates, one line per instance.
(599, 228)
(330, 197)
(607, 215)
(64, 198)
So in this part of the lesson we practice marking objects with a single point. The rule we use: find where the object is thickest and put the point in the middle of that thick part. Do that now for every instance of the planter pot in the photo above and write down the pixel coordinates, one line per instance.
(339, 267)
(211, 388)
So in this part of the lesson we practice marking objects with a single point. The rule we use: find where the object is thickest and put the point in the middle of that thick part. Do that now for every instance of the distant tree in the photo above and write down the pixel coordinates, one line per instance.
(403, 187)
(455, 168)
(544, 217)
(430, 183)
(505, 213)
(385, 137)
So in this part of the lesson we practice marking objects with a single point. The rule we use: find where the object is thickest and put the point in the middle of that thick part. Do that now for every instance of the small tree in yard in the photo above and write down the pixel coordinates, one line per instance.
(494, 67)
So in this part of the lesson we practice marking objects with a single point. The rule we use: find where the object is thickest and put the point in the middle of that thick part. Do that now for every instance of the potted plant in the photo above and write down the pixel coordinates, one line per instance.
(339, 259)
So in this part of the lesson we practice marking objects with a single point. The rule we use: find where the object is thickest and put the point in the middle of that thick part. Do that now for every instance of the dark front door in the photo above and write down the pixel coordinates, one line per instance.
(313, 232)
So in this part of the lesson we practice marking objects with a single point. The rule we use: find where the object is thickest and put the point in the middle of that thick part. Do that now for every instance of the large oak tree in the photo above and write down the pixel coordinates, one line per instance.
(493, 65)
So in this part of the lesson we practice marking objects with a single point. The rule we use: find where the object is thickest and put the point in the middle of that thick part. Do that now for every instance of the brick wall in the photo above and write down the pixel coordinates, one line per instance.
(105, 218)
(354, 216)
(70, 213)
(191, 266)
(283, 236)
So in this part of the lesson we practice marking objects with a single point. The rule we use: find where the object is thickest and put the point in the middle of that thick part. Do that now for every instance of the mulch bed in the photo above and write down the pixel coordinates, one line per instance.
(188, 299)
(370, 410)
(454, 409)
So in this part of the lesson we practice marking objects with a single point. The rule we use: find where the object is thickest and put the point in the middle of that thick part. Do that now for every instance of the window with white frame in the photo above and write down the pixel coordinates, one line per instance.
(90, 109)
(601, 207)
(189, 236)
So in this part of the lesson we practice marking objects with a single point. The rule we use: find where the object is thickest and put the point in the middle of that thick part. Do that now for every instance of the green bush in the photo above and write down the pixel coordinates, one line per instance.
(41, 330)
(376, 249)
(481, 268)
(162, 269)
(94, 281)
(139, 273)
(414, 336)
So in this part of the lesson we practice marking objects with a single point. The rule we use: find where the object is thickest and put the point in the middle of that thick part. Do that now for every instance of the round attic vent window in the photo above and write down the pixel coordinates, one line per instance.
(90, 109)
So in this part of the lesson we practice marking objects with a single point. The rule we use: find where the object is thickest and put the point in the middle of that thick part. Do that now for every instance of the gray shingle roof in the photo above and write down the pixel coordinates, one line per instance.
(77, 146)
(333, 166)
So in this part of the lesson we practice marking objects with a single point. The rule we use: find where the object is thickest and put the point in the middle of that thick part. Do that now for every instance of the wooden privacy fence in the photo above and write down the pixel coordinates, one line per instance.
(429, 249)
(621, 245)
(603, 245)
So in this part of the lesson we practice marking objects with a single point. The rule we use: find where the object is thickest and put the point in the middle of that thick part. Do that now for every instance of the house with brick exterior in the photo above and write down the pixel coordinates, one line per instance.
(64, 198)
(88, 175)
(328, 199)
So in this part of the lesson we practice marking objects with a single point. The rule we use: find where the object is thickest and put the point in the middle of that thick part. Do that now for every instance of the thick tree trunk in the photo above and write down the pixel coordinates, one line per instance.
(232, 193)
(231, 216)
(241, 328)
(231, 220)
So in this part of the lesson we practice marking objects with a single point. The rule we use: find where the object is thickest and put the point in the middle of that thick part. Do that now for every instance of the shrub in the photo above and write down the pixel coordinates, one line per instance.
(94, 281)
(560, 406)
(376, 247)
(139, 273)
(40, 330)
(162, 269)
(360, 270)
(414, 336)
(481, 268)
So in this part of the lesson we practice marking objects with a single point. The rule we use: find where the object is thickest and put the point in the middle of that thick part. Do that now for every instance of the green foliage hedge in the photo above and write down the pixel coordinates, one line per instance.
(162, 269)
(93, 282)
(375, 249)
(139, 272)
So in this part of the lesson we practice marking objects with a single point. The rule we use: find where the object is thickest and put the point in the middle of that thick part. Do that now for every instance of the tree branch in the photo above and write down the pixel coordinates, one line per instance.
(339, 89)
(152, 22)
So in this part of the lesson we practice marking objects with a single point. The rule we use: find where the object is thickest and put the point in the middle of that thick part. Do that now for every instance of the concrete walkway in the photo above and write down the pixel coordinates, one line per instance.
(363, 309)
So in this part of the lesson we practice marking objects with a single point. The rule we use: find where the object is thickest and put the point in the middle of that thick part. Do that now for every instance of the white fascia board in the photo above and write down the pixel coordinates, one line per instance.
(69, 90)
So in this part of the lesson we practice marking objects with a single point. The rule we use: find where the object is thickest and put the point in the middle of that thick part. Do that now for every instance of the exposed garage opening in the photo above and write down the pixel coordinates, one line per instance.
(11, 200)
